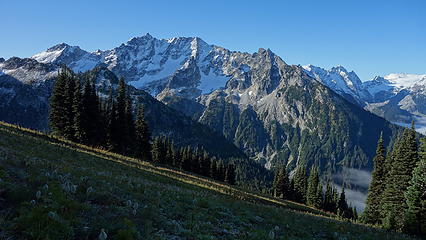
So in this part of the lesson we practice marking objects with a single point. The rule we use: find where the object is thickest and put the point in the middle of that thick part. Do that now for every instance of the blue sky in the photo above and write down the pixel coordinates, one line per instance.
(369, 37)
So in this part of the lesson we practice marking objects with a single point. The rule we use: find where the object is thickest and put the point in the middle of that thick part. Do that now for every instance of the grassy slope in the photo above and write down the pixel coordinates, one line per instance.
(83, 190)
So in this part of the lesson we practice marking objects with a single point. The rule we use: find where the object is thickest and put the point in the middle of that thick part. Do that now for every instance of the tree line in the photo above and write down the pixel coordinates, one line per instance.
(309, 190)
(77, 113)
(396, 198)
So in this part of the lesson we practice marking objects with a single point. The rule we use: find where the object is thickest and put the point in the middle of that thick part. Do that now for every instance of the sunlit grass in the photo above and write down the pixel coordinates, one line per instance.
(83, 190)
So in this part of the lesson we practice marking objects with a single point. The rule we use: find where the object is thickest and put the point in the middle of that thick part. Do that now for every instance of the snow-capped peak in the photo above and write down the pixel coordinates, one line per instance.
(337, 78)
(51, 54)
(404, 80)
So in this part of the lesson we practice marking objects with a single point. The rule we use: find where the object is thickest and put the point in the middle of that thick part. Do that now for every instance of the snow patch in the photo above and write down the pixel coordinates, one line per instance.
(211, 82)
(48, 56)
(154, 73)
(404, 80)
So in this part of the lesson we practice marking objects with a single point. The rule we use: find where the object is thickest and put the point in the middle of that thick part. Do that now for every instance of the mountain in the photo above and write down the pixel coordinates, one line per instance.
(345, 83)
(26, 85)
(398, 98)
(274, 112)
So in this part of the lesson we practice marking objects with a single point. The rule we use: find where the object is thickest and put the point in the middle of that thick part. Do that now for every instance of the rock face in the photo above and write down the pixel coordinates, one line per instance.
(276, 113)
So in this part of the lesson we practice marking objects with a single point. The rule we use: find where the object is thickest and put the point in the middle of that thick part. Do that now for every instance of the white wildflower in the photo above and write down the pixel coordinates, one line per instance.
(38, 194)
(103, 235)
(89, 190)
(272, 234)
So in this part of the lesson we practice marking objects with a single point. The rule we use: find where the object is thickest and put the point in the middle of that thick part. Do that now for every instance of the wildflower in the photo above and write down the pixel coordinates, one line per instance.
(103, 235)
(271, 234)
(38, 194)
(46, 187)
(89, 190)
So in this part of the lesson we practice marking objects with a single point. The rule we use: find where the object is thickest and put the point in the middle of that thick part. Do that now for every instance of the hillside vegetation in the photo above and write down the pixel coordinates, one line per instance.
(56, 189)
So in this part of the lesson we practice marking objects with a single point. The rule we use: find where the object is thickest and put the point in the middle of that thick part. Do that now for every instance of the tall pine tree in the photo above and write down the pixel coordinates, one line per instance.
(312, 190)
(373, 204)
(143, 136)
(415, 197)
(398, 181)
(300, 184)
(58, 119)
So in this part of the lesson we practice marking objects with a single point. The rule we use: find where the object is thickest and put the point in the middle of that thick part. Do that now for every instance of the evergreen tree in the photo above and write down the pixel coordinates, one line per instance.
(79, 134)
(69, 101)
(57, 118)
(186, 159)
(415, 197)
(157, 151)
(213, 169)
(205, 164)
(230, 174)
(169, 152)
(398, 181)
(373, 204)
(277, 184)
(221, 171)
(292, 194)
(300, 184)
(122, 122)
(90, 113)
(319, 197)
(328, 198)
(355, 214)
(130, 126)
(111, 123)
(281, 184)
(313, 181)
(142, 137)
(342, 205)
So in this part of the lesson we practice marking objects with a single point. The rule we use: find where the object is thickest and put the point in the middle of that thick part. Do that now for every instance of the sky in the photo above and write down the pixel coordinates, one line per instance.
(369, 37)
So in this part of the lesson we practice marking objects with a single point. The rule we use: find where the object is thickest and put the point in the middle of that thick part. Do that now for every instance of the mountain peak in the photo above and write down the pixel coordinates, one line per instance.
(58, 47)
(140, 40)
(339, 68)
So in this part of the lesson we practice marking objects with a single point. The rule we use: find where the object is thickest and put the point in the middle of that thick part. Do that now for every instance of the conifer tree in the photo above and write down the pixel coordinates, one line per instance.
(111, 123)
(213, 169)
(319, 197)
(355, 214)
(142, 136)
(186, 159)
(415, 197)
(220, 171)
(169, 151)
(129, 126)
(342, 205)
(373, 207)
(79, 134)
(68, 101)
(398, 181)
(300, 184)
(279, 182)
(57, 119)
(204, 164)
(328, 198)
(122, 122)
(313, 181)
(157, 154)
(230, 174)
(292, 194)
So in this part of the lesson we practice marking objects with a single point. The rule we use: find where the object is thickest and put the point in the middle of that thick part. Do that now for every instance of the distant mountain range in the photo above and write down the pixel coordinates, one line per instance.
(274, 112)
(400, 98)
